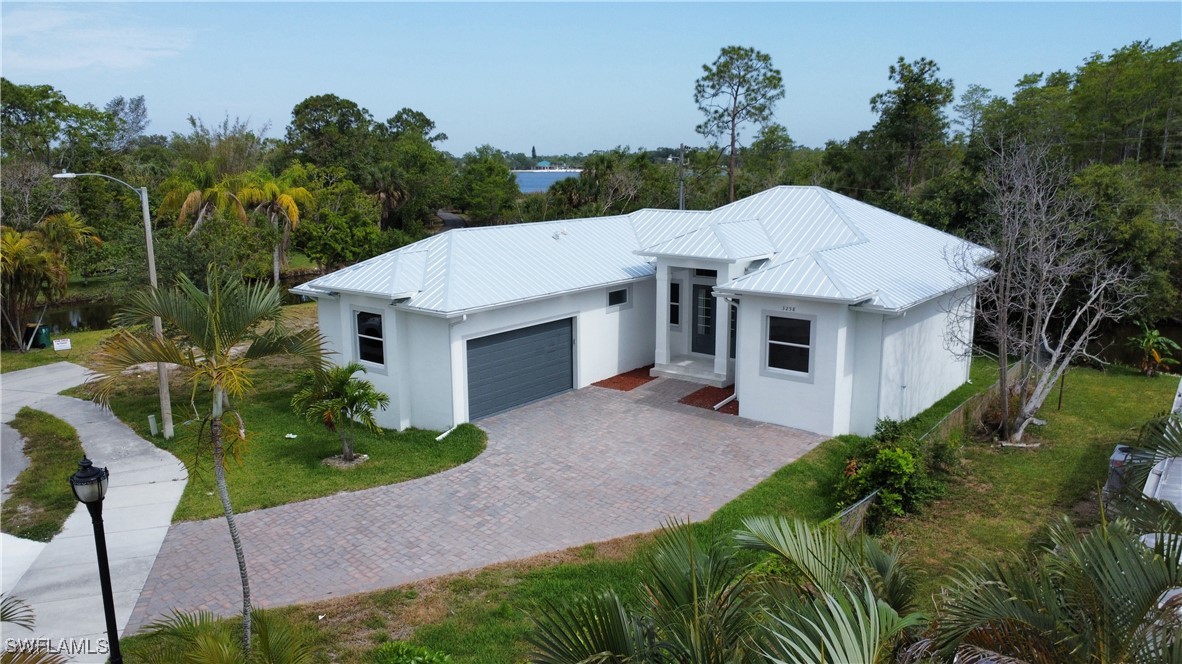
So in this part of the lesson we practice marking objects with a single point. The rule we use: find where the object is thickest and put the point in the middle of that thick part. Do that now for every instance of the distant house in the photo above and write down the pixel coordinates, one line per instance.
(825, 313)
(542, 165)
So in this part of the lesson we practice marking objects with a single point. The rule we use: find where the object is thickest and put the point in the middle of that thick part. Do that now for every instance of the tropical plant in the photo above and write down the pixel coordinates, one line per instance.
(695, 607)
(15, 611)
(33, 266)
(280, 202)
(1155, 350)
(334, 398)
(203, 638)
(840, 599)
(197, 190)
(1100, 597)
(212, 336)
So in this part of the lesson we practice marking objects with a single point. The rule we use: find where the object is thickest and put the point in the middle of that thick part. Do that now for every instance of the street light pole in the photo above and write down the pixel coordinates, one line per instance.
(90, 487)
(161, 369)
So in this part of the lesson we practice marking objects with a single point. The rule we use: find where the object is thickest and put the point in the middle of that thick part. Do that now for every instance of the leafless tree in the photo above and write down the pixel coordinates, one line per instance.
(1053, 282)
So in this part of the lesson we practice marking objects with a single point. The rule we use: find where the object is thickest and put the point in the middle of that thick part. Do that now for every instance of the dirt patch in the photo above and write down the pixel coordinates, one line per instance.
(627, 381)
(338, 461)
(708, 396)
(352, 625)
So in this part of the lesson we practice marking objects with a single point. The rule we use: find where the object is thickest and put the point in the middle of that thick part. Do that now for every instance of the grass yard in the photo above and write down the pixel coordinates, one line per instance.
(40, 502)
(274, 469)
(1005, 498)
(84, 344)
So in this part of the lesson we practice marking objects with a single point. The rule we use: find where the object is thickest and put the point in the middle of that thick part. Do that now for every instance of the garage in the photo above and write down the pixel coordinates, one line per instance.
(513, 368)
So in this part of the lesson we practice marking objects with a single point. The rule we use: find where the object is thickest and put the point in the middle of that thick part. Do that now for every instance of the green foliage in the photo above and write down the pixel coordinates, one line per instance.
(400, 652)
(1092, 598)
(39, 501)
(487, 189)
(1155, 350)
(887, 430)
(334, 398)
(202, 638)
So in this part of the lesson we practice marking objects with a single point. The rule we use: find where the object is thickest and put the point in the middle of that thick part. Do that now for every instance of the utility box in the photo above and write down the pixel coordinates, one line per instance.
(39, 335)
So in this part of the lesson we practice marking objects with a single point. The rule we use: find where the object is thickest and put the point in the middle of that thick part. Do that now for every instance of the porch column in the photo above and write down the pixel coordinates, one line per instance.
(722, 331)
(662, 331)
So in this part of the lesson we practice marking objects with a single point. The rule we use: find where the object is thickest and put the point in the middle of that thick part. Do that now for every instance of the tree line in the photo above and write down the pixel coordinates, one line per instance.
(340, 186)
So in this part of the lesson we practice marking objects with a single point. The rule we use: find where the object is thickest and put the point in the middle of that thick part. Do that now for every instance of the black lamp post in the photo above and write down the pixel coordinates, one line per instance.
(90, 487)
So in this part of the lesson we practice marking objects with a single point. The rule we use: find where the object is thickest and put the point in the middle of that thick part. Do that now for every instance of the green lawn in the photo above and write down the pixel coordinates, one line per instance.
(40, 500)
(1002, 501)
(83, 344)
(274, 469)
(1005, 498)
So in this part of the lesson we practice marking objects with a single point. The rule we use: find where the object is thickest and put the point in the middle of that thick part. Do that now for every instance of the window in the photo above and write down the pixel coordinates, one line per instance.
(674, 303)
(617, 297)
(369, 338)
(789, 342)
(706, 273)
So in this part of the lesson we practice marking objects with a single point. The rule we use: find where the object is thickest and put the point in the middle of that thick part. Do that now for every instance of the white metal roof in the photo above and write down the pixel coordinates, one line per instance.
(821, 245)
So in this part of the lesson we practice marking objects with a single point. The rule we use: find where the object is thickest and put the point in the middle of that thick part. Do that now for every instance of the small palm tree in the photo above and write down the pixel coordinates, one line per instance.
(205, 331)
(1096, 598)
(203, 638)
(15, 611)
(337, 400)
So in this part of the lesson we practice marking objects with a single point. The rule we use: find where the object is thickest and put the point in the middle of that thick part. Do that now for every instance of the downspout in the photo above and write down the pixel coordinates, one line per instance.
(735, 395)
(454, 424)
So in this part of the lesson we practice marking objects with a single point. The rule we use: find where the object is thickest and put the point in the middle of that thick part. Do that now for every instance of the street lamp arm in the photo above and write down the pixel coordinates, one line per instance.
(70, 176)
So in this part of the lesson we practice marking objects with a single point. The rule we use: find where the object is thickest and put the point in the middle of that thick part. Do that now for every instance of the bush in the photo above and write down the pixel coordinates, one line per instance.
(887, 430)
(400, 652)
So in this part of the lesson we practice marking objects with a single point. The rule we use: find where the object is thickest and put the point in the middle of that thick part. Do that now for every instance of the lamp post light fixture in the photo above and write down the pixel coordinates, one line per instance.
(161, 370)
(90, 487)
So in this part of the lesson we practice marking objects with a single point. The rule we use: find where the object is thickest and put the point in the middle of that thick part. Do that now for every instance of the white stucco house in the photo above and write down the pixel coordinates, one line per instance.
(825, 313)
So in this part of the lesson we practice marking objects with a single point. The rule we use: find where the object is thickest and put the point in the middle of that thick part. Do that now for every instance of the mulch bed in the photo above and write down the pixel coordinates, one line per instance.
(628, 381)
(708, 396)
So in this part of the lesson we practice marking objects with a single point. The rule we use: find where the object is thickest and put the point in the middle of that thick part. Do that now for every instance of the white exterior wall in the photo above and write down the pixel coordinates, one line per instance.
(821, 403)
(918, 367)
(608, 341)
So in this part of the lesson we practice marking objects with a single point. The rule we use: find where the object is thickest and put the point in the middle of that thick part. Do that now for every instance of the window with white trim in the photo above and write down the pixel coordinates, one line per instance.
(370, 346)
(674, 303)
(789, 344)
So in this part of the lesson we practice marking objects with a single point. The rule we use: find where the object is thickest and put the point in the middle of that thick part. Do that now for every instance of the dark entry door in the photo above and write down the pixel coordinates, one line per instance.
(702, 337)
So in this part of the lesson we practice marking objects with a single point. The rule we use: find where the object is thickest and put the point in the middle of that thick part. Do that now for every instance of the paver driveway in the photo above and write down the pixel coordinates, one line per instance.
(581, 467)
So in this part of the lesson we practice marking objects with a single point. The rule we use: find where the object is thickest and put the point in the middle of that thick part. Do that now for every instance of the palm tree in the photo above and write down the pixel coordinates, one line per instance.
(338, 400)
(203, 333)
(695, 607)
(33, 265)
(1098, 598)
(280, 202)
(197, 190)
(844, 600)
(206, 639)
(15, 611)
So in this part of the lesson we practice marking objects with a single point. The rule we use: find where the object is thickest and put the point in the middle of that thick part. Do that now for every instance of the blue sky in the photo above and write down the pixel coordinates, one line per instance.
(563, 77)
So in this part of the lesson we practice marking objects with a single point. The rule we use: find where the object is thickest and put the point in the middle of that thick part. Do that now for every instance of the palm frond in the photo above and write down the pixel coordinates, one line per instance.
(819, 553)
(597, 629)
(16, 611)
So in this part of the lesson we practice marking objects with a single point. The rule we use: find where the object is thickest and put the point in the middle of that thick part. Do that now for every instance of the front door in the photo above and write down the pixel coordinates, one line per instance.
(702, 338)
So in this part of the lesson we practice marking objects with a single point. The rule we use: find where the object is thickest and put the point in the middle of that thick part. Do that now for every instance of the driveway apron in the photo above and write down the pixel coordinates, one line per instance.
(581, 467)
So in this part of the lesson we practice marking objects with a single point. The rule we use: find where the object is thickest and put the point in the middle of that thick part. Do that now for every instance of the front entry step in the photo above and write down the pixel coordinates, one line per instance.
(694, 371)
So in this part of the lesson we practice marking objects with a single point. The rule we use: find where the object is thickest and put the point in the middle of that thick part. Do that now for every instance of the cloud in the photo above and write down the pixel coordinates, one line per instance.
(44, 39)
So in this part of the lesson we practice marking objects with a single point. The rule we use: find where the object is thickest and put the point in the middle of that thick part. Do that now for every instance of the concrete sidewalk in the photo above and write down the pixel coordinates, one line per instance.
(61, 581)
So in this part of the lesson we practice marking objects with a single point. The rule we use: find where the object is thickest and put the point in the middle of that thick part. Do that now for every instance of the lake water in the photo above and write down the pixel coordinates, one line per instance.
(534, 181)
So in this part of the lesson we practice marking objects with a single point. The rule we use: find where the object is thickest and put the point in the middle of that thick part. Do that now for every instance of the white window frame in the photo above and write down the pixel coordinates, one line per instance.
(765, 369)
(370, 365)
(626, 304)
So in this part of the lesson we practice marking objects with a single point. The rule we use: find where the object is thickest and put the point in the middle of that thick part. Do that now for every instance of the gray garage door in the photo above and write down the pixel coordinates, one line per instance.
(513, 368)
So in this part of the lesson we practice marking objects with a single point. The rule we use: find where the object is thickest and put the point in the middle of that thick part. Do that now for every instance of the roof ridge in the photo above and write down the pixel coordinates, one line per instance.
(722, 239)
(445, 296)
(829, 273)
(844, 219)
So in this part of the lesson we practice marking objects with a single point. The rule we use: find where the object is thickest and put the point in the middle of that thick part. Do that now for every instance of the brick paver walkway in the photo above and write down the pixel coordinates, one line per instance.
(581, 467)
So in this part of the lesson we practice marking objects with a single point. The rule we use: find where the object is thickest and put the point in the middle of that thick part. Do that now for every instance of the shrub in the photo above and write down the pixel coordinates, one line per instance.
(400, 652)
(887, 430)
